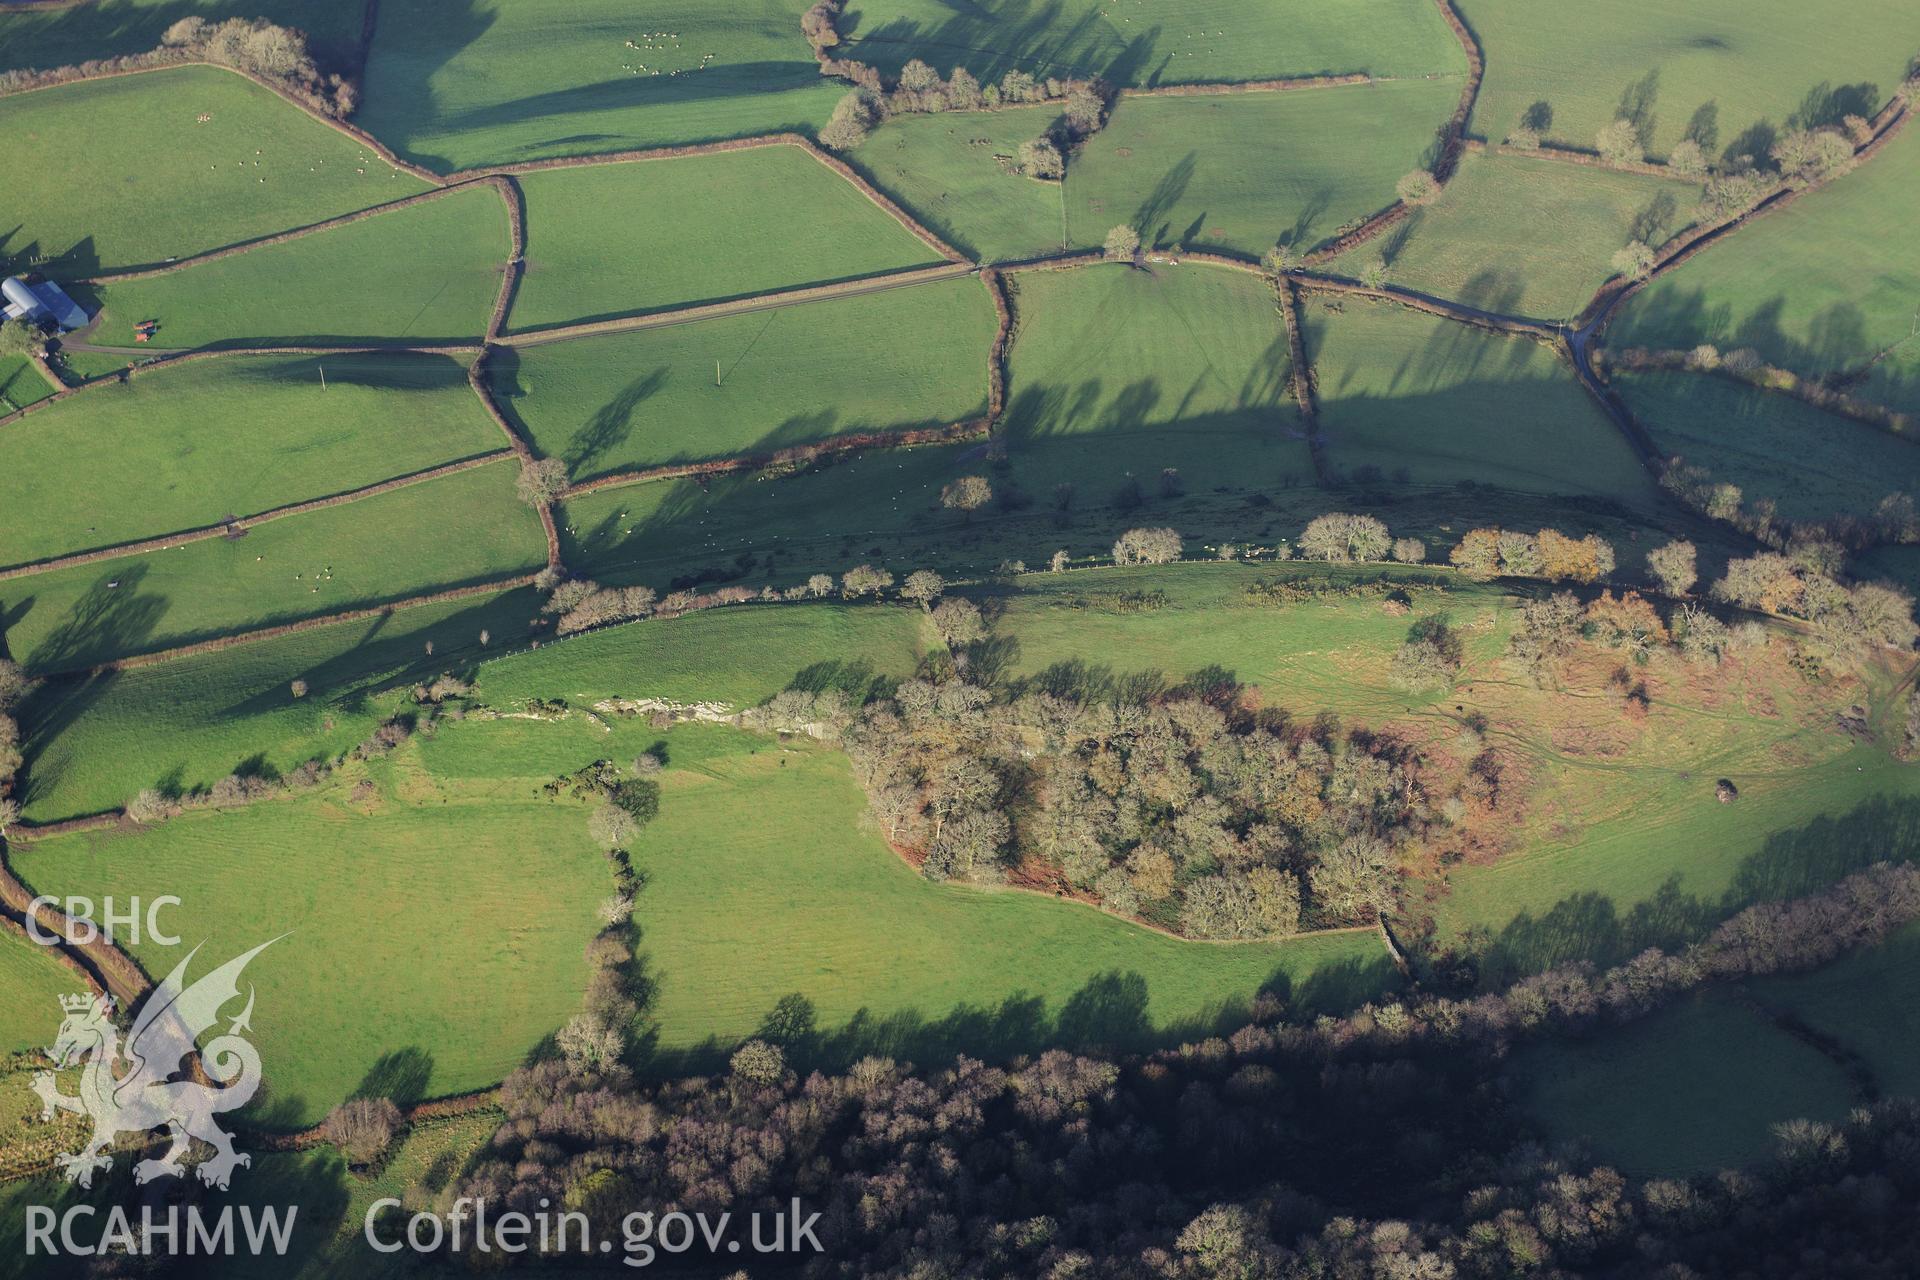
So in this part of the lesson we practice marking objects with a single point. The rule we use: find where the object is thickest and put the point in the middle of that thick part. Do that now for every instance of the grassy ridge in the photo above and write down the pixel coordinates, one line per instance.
(1427, 401)
(1130, 42)
(1525, 236)
(125, 172)
(1731, 69)
(425, 274)
(1814, 465)
(487, 81)
(1308, 658)
(461, 529)
(619, 239)
(93, 741)
(430, 1009)
(739, 657)
(883, 362)
(1820, 287)
(185, 447)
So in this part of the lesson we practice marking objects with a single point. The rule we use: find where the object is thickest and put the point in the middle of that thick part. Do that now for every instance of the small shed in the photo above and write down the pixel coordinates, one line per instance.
(43, 301)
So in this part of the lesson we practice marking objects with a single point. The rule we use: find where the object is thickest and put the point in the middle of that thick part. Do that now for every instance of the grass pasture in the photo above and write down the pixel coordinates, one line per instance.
(1329, 655)
(1241, 171)
(458, 530)
(1813, 465)
(137, 169)
(427, 274)
(1128, 42)
(20, 384)
(1182, 366)
(769, 842)
(620, 239)
(1624, 845)
(738, 657)
(1727, 72)
(184, 447)
(1823, 286)
(890, 361)
(1525, 236)
(949, 170)
(1416, 399)
(431, 1009)
(1692, 1088)
(32, 980)
(453, 86)
(93, 741)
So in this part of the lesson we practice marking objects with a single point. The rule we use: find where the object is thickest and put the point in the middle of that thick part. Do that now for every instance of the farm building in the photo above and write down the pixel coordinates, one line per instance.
(41, 302)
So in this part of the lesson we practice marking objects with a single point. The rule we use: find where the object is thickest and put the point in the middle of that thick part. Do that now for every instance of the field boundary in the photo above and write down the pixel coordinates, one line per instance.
(1586, 159)
(1777, 381)
(739, 306)
(239, 525)
(215, 644)
(1599, 312)
(108, 967)
(238, 247)
(356, 134)
(791, 455)
(476, 378)
(1287, 301)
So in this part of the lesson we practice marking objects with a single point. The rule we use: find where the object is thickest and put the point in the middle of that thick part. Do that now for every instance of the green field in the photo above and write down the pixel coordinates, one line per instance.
(20, 384)
(764, 880)
(905, 358)
(94, 741)
(1233, 173)
(619, 239)
(1307, 658)
(429, 273)
(1822, 286)
(183, 448)
(1240, 172)
(1693, 1088)
(1864, 1001)
(1626, 849)
(32, 980)
(1725, 72)
(461, 529)
(1183, 367)
(63, 35)
(1128, 42)
(125, 172)
(1423, 400)
(947, 169)
(487, 82)
(432, 1008)
(737, 657)
(1525, 236)
(1814, 465)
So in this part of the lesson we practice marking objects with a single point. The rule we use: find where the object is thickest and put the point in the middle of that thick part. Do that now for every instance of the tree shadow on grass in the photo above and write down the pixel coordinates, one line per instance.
(1108, 1013)
(1591, 927)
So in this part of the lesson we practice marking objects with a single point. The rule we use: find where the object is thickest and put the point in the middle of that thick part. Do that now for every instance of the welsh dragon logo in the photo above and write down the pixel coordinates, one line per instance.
(132, 1089)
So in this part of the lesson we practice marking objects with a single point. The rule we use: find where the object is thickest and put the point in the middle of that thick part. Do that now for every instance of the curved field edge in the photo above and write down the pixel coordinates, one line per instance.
(255, 165)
